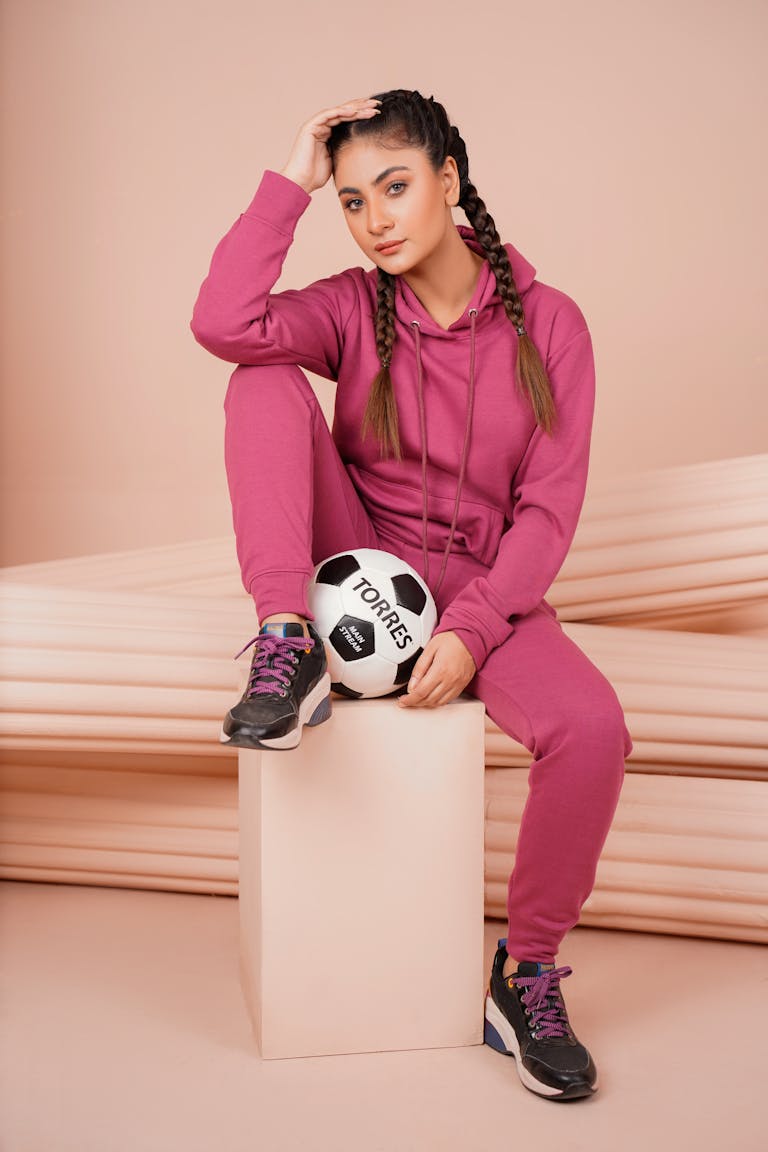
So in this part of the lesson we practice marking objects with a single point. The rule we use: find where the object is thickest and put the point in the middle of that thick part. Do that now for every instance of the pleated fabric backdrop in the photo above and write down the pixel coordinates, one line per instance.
(118, 668)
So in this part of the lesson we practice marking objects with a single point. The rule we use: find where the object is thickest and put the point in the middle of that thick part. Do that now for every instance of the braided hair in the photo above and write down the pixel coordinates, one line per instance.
(411, 120)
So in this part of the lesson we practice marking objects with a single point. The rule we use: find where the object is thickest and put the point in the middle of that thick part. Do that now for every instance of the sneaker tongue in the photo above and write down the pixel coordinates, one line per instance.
(282, 628)
(526, 967)
(533, 967)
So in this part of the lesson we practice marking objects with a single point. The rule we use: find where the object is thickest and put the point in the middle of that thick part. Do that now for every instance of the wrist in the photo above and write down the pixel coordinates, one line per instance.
(296, 180)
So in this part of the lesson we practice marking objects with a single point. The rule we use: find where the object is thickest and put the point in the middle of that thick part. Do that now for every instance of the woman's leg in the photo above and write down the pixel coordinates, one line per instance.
(293, 501)
(542, 690)
(293, 505)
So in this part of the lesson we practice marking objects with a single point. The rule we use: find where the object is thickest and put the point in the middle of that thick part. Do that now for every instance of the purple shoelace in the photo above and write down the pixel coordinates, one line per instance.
(273, 658)
(547, 1009)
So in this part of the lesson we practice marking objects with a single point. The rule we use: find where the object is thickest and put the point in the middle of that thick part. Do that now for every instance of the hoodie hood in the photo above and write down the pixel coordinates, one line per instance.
(485, 298)
(484, 308)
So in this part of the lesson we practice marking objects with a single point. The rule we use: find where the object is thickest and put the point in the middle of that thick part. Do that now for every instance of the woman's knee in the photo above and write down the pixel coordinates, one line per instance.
(264, 387)
(594, 719)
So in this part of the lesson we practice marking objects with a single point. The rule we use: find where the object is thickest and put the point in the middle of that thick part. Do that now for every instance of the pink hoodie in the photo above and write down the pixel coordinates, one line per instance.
(478, 477)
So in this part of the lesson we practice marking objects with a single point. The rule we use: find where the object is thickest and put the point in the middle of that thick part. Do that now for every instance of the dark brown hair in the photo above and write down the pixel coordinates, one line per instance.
(409, 120)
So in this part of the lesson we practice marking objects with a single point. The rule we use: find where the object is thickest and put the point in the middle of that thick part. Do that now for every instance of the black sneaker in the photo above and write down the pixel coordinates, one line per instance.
(289, 685)
(525, 1017)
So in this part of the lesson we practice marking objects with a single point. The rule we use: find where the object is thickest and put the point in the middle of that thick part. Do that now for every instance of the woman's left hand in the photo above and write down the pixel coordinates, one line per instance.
(440, 674)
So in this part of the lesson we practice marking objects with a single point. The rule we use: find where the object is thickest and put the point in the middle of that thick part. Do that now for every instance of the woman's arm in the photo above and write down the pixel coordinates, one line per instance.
(237, 316)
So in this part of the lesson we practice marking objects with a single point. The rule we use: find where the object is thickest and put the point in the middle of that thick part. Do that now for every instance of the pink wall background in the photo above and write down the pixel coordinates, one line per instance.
(616, 146)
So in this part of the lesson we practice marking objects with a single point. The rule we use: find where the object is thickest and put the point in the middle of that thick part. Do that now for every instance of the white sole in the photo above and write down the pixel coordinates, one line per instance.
(307, 707)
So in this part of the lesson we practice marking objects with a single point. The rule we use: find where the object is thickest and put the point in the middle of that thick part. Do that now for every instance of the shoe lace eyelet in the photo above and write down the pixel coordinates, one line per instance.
(283, 692)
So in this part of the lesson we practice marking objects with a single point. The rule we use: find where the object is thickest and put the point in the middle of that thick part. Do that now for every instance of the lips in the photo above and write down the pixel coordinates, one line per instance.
(385, 248)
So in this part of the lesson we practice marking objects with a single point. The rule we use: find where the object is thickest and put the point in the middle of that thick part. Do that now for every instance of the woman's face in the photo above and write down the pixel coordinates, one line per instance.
(391, 194)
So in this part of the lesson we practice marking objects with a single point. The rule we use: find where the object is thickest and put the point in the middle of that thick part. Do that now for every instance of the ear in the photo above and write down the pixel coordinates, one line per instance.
(451, 182)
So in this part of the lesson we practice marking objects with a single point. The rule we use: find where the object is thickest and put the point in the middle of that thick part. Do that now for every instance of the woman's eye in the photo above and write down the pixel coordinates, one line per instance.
(394, 184)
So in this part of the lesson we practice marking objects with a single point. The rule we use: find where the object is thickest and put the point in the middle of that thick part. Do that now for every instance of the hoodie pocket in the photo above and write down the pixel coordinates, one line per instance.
(395, 508)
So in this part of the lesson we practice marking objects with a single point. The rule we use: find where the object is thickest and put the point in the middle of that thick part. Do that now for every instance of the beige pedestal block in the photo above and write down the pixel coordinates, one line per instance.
(371, 835)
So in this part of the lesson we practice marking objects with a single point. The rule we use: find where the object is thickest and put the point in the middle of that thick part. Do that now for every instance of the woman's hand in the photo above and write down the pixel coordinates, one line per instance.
(440, 674)
(310, 161)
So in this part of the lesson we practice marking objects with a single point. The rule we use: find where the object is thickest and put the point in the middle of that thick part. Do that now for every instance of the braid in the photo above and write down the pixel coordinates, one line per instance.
(529, 368)
(385, 317)
(381, 409)
(410, 120)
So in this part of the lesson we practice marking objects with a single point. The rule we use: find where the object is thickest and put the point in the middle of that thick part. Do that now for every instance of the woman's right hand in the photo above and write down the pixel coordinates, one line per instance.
(310, 161)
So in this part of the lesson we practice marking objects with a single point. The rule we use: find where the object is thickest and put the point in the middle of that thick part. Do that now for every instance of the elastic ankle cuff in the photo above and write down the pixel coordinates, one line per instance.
(276, 592)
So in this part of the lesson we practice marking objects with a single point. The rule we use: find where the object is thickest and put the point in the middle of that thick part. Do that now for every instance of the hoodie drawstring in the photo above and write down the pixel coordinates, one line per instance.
(422, 419)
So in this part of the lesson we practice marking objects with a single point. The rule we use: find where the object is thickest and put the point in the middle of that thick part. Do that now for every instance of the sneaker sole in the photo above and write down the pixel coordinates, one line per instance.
(500, 1035)
(314, 709)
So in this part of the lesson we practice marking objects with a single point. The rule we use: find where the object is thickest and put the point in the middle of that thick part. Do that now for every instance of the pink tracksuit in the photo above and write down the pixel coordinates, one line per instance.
(484, 505)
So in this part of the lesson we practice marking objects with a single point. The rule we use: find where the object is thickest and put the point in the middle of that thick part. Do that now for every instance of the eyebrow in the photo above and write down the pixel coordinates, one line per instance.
(381, 176)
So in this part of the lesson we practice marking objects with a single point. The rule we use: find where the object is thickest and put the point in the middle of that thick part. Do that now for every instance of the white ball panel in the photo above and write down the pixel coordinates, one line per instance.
(374, 675)
(326, 604)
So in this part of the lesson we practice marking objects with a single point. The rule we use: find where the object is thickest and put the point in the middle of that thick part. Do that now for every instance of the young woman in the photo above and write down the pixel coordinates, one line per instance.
(460, 443)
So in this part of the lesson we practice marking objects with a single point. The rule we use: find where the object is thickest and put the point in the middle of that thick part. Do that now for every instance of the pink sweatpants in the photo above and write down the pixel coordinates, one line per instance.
(294, 504)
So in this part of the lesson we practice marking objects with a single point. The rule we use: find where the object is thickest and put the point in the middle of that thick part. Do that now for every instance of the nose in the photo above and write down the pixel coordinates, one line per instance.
(378, 222)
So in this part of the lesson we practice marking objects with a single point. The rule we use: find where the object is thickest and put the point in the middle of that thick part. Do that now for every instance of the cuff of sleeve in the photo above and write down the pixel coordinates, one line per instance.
(279, 201)
(475, 613)
(473, 640)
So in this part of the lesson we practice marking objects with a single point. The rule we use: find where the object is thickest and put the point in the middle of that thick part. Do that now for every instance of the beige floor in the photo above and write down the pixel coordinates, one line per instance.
(123, 1028)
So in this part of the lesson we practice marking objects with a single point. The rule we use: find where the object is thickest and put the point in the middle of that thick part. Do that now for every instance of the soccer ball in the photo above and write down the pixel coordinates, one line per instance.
(375, 614)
